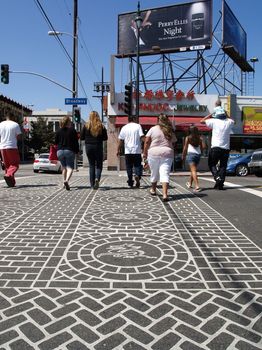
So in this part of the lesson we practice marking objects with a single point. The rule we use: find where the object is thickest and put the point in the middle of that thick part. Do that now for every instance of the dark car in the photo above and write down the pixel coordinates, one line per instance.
(238, 164)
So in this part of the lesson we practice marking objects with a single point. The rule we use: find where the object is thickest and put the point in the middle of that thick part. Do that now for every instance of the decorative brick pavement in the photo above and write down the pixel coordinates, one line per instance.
(120, 269)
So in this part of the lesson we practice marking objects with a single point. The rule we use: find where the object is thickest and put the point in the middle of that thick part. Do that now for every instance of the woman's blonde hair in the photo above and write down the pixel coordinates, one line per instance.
(165, 126)
(94, 124)
(65, 121)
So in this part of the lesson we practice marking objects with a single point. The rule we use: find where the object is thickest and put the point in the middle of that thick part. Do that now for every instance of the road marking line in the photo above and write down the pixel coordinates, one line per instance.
(241, 188)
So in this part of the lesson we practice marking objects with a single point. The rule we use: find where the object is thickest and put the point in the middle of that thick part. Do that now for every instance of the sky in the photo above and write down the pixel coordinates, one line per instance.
(27, 47)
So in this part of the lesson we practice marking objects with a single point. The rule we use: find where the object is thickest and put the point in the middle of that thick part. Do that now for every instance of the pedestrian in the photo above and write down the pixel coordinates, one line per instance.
(94, 133)
(193, 147)
(219, 112)
(67, 148)
(220, 147)
(159, 152)
(131, 136)
(10, 132)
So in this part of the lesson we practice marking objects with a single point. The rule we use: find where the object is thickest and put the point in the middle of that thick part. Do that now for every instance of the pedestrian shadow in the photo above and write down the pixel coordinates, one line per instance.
(34, 186)
(179, 196)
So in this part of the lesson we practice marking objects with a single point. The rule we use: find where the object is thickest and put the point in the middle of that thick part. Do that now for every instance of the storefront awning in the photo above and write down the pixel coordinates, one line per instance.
(181, 123)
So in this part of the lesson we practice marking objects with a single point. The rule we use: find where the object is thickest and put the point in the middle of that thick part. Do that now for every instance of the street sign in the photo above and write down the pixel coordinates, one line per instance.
(76, 101)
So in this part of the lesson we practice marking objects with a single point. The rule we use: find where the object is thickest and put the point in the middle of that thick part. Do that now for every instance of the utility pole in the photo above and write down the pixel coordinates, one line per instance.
(102, 87)
(75, 57)
(75, 69)
(102, 97)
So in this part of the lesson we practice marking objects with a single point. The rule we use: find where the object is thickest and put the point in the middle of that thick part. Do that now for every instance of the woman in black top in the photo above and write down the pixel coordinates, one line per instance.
(94, 133)
(67, 148)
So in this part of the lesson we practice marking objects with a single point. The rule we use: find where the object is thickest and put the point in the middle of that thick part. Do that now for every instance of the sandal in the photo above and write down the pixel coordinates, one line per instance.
(165, 199)
(152, 192)
(197, 189)
(188, 185)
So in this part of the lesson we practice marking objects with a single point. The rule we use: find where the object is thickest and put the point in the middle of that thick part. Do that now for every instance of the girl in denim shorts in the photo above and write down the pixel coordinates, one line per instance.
(193, 147)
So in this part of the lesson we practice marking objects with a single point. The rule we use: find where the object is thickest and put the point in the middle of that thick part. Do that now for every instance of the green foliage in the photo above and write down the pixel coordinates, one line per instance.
(41, 135)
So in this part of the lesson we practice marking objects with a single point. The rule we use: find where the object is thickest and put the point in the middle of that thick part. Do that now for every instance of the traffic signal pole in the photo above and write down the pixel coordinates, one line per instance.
(128, 99)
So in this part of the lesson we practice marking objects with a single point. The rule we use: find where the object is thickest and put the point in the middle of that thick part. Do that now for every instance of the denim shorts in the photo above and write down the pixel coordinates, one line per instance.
(66, 158)
(193, 158)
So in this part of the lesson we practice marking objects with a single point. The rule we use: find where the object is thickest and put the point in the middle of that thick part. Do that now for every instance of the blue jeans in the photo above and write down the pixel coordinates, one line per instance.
(66, 158)
(133, 161)
(94, 154)
(193, 158)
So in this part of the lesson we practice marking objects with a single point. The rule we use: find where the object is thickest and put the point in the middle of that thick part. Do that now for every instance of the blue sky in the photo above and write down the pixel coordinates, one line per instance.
(26, 46)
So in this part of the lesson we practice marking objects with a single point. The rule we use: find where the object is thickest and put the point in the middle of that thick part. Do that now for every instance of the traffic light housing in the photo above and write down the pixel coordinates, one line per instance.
(5, 73)
(128, 100)
(77, 115)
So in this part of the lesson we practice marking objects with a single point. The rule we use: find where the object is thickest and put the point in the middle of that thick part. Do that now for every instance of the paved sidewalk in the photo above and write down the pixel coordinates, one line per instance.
(119, 269)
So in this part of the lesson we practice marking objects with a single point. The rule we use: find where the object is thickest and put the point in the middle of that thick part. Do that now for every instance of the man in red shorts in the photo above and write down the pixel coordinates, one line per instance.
(9, 133)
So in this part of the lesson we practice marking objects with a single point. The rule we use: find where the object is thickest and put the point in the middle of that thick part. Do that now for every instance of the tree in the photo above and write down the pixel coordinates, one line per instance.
(41, 135)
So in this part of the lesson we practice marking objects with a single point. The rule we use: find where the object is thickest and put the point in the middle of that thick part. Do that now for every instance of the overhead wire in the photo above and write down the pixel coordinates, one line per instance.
(38, 4)
(45, 16)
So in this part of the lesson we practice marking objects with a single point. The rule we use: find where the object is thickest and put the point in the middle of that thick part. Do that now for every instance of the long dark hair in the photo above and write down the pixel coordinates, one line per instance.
(193, 136)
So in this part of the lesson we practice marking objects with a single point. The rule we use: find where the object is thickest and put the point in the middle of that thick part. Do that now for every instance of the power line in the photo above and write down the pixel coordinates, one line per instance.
(42, 11)
(53, 29)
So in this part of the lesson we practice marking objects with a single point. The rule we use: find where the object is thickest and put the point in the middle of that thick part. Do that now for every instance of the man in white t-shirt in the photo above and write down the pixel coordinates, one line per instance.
(131, 136)
(220, 147)
(9, 133)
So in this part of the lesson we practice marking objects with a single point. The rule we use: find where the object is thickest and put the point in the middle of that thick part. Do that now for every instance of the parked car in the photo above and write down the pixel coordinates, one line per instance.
(255, 163)
(238, 164)
(42, 163)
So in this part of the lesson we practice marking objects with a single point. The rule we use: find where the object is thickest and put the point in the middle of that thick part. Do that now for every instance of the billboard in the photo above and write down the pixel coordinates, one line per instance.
(234, 38)
(252, 120)
(167, 29)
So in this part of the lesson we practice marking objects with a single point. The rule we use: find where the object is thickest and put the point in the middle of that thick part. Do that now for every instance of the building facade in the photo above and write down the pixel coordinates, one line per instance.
(184, 110)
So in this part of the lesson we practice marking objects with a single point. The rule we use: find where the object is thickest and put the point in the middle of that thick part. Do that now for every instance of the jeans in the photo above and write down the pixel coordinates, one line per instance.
(133, 161)
(193, 158)
(94, 154)
(217, 162)
(66, 158)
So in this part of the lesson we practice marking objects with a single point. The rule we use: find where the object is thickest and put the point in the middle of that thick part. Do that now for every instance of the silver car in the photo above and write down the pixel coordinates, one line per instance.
(255, 163)
(42, 163)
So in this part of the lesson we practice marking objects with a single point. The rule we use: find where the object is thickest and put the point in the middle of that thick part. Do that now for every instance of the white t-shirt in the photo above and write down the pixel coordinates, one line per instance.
(8, 134)
(221, 130)
(131, 134)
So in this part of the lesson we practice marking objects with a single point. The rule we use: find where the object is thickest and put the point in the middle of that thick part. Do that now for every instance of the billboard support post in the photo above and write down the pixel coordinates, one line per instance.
(138, 21)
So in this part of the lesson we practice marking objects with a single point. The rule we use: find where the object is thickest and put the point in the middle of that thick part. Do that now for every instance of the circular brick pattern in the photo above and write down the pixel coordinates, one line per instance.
(127, 253)
(125, 219)
(125, 199)
(127, 257)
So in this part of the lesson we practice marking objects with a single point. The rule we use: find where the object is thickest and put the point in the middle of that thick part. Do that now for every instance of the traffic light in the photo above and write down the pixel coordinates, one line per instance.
(77, 115)
(128, 99)
(5, 73)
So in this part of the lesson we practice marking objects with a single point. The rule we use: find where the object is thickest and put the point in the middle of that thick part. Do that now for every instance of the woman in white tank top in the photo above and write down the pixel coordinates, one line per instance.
(194, 145)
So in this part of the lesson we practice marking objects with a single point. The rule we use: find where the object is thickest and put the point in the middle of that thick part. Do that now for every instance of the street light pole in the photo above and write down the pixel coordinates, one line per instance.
(138, 21)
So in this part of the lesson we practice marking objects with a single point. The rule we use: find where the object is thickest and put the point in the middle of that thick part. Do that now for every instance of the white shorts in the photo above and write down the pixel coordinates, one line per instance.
(160, 168)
